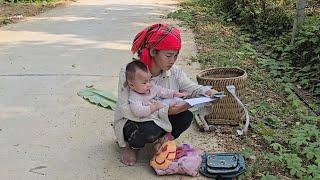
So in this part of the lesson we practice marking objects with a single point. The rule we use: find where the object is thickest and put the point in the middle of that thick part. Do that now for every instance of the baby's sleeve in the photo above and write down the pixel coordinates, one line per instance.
(138, 108)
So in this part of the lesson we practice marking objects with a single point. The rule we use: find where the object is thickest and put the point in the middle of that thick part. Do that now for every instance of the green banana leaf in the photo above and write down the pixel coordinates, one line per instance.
(98, 97)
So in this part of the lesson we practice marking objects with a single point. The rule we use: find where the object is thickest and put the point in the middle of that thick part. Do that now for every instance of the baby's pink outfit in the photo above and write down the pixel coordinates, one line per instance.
(140, 103)
(140, 106)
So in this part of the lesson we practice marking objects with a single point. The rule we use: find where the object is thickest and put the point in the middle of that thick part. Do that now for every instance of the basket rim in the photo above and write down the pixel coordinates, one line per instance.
(244, 75)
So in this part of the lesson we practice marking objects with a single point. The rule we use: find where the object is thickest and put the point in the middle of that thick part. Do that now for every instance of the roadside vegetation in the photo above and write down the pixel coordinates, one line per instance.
(12, 11)
(283, 87)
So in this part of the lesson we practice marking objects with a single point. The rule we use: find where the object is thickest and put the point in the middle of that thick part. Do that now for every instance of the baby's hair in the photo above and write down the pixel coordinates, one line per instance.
(132, 67)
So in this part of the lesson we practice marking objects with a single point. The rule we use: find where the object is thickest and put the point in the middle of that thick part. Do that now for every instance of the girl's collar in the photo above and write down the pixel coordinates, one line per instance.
(163, 74)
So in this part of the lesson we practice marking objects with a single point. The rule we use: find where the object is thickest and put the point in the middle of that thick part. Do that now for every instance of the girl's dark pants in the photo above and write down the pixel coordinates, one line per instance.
(137, 134)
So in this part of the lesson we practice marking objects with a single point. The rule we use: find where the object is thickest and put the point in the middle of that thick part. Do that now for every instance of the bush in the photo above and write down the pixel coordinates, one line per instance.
(305, 55)
(264, 18)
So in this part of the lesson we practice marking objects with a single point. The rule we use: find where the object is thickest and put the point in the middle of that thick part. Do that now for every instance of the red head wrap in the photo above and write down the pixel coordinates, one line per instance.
(158, 37)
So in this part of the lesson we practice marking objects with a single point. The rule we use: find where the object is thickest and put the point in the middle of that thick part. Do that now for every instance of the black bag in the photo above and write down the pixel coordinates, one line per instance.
(222, 165)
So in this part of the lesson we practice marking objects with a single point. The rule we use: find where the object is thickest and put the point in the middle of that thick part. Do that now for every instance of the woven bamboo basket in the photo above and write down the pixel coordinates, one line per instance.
(226, 110)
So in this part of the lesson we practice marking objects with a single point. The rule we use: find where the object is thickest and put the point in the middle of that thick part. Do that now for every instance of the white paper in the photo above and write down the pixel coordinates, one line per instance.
(172, 100)
(191, 101)
(200, 100)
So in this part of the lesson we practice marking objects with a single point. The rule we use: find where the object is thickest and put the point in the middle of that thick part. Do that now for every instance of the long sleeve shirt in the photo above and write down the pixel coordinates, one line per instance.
(174, 79)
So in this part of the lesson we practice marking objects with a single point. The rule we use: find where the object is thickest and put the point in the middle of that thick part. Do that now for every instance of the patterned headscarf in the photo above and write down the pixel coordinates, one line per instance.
(158, 37)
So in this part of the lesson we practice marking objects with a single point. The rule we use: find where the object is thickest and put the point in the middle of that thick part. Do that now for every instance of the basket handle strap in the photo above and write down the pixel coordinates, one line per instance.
(232, 91)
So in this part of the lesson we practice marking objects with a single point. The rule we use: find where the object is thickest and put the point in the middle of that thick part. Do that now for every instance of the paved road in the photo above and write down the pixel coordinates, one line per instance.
(46, 130)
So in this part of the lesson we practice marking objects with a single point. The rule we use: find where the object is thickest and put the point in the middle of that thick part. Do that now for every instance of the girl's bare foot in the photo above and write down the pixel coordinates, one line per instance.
(129, 156)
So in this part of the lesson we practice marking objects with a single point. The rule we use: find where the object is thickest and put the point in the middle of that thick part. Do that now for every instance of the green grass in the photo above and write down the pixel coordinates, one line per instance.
(278, 118)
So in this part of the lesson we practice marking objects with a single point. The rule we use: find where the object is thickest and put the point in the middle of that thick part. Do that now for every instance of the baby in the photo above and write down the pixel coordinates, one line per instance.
(144, 96)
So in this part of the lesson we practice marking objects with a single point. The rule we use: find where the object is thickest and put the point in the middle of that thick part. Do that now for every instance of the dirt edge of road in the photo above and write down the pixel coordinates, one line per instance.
(16, 12)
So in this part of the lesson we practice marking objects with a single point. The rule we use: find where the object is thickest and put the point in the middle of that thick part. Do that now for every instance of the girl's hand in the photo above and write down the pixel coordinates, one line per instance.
(211, 92)
(178, 107)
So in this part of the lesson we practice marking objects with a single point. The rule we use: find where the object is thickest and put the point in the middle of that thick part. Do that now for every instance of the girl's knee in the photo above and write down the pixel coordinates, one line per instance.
(153, 137)
(187, 118)
(140, 142)
(148, 132)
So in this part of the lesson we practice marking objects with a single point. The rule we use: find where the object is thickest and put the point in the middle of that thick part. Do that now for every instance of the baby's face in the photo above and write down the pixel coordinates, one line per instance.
(141, 82)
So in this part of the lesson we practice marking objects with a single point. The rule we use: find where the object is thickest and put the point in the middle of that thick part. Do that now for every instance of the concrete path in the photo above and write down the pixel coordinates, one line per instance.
(46, 130)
